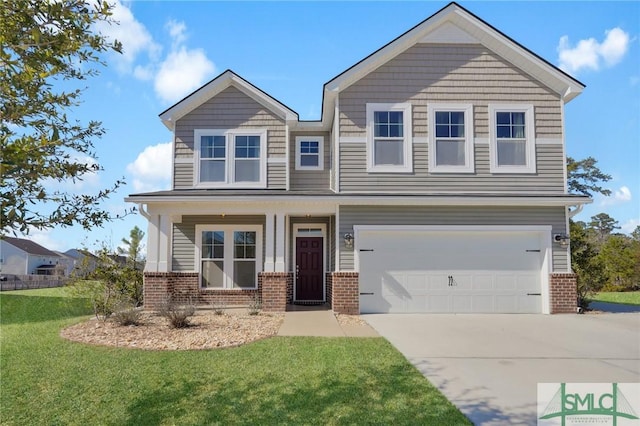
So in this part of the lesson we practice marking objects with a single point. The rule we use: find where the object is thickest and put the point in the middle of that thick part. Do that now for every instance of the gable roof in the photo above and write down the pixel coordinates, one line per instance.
(218, 84)
(453, 23)
(29, 246)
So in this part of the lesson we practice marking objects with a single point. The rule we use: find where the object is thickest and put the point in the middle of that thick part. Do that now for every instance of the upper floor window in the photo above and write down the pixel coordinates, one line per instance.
(230, 158)
(309, 153)
(451, 138)
(389, 138)
(512, 139)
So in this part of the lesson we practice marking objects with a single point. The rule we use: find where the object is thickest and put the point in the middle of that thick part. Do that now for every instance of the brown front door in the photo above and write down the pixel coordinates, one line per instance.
(309, 269)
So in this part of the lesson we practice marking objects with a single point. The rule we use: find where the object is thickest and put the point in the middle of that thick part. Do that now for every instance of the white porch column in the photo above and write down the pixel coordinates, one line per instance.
(164, 243)
(269, 243)
(280, 242)
(151, 264)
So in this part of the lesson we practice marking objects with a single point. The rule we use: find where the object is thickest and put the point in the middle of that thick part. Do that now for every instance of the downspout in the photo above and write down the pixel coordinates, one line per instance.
(575, 211)
(143, 211)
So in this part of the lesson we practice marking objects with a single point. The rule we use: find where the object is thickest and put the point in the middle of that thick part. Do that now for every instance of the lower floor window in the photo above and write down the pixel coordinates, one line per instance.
(229, 257)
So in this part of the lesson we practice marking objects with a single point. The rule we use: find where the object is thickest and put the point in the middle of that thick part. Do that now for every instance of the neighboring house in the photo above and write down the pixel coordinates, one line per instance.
(24, 257)
(66, 262)
(84, 261)
(434, 182)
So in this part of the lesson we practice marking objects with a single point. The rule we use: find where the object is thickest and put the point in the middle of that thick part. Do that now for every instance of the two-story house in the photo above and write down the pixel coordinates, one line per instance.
(435, 181)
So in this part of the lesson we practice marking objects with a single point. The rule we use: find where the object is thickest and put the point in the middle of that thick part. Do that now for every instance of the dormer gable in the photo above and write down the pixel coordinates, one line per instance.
(223, 81)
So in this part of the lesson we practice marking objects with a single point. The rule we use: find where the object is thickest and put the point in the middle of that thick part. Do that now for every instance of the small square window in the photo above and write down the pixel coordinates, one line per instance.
(309, 153)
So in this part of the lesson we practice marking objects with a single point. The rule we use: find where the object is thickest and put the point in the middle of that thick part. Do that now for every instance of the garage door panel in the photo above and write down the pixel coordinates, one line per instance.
(427, 271)
(483, 304)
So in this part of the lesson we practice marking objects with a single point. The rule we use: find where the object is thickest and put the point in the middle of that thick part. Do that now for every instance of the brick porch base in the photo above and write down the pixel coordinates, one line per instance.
(563, 293)
(184, 287)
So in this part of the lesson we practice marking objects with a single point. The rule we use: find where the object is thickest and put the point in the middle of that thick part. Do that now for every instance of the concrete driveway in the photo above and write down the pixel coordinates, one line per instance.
(489, 365)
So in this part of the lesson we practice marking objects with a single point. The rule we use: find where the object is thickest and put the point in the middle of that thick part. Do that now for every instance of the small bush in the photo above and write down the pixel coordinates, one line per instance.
(218, 307)
(178, 315)
(126, 314)
(255, 306)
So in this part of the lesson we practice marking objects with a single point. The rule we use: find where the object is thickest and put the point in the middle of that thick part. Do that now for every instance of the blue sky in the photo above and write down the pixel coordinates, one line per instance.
(290, 49)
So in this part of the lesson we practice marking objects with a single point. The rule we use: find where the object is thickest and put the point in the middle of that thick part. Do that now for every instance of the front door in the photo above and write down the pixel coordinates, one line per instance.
(309, 269)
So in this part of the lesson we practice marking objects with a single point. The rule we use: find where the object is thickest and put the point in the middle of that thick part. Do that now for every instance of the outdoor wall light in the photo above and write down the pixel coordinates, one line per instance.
(562, 239)
(348, 240)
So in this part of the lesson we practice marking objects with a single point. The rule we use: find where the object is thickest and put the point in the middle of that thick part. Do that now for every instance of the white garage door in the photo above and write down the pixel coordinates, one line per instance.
(449, 271)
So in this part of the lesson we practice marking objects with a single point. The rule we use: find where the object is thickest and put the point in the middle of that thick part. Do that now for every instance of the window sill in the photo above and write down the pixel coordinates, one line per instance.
(451, 170)
(257, 185)
(310, 169)
(231, 290)
(390, 169)
(513, 170)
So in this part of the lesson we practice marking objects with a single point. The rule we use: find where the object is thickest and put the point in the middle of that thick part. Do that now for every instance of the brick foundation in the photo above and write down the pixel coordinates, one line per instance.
(274, 286)
(563, 293)
(345, 293)
(290, 290)
(184, 287)
(329, 288)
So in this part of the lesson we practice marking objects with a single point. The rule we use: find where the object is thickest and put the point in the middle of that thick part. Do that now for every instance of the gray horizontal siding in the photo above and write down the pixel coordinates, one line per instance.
(230, 109)
(276, 176)
(182, 175)
(184, 237)
(449, 73)
(548, 179)
(309, 179)
(429, 73)
(444, 215)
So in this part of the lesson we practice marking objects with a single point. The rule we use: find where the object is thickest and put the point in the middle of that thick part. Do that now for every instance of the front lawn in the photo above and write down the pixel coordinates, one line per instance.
(47, 380)
(626, 297)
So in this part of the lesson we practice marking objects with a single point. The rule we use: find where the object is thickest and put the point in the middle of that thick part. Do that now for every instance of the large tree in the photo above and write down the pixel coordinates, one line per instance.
(48, 49)
(584, 177)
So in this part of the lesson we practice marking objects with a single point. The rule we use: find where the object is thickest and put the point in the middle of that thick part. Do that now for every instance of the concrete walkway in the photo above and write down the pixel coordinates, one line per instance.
(320, 322)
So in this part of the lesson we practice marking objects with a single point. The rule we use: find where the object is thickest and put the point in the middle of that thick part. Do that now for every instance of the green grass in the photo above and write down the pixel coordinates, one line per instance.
(626, 297)
(47, 380)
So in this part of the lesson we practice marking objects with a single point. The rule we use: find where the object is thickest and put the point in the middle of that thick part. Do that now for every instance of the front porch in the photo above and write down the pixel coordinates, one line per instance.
(239, 253)
(274, 291)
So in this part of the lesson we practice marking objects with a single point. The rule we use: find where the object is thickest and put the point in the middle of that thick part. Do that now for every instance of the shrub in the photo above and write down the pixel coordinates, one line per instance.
(103, 298)
(127, 314)
(255, 305)
(178, 315)
(218, 307)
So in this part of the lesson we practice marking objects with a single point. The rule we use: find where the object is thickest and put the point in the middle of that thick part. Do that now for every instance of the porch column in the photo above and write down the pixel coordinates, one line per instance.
(280, 242)
(164, 243)
(269, 243)
(151, 264)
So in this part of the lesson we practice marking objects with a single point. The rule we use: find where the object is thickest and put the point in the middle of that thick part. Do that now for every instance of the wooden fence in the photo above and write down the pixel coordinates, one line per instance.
(24, 282)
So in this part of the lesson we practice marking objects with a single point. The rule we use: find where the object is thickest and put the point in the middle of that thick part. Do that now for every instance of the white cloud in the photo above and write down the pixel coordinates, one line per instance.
(619, 196)
(181, 72)
(630, 226)
(176, 31)
(591, 54)
(151, 170)
(175, 75)
(131, 33)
